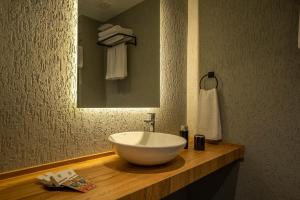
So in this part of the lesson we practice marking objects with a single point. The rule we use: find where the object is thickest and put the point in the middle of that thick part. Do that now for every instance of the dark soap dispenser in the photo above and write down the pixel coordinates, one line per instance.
(184, 132)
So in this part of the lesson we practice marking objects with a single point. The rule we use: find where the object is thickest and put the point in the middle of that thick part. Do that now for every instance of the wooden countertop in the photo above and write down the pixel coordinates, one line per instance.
(117, 179)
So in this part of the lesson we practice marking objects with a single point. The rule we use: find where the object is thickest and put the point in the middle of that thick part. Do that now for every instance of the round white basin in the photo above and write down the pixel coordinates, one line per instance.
(147, 148)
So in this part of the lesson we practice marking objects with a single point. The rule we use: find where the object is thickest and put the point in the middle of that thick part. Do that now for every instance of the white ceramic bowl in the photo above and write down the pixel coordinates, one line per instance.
(147, 148)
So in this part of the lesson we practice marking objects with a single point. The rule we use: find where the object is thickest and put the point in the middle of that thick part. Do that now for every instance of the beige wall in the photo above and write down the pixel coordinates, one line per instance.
(141, 87)
(90, 78)
(252, 46)
(39, 121)
(192, 64)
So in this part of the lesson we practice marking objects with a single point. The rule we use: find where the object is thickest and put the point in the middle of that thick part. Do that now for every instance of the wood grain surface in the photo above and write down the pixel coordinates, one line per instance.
(18, 172)
(118, 179)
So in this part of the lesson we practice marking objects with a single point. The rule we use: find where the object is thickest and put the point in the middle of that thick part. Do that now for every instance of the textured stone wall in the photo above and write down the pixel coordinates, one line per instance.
(39, 121)
(252, 47)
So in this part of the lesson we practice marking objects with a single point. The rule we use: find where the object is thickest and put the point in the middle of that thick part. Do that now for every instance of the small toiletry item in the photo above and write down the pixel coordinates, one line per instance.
(199, 142)
(184, 132)
(80, 184)
(60, 177)
(67, 178)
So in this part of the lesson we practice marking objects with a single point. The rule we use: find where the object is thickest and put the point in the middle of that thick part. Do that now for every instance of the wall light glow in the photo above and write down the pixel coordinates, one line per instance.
(172, 111)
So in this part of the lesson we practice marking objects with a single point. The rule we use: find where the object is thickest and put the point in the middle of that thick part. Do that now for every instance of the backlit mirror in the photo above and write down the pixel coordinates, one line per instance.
(118, 53)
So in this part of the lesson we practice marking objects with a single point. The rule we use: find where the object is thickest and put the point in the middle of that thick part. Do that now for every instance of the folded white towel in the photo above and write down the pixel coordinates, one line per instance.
(209, 123)
(116, 62)
(115, 39)
(111, 40)
(104, 27)
(115, 29)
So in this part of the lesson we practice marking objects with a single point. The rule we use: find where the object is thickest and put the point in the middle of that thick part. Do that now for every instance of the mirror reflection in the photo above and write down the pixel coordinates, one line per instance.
(118, 53)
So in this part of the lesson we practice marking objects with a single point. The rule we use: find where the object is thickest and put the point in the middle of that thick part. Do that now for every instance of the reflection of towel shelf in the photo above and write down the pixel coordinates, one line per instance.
(128, 39)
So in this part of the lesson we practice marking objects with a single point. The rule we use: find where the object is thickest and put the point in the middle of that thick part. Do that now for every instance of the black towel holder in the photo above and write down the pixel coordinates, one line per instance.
(209, 75)
(132, 41)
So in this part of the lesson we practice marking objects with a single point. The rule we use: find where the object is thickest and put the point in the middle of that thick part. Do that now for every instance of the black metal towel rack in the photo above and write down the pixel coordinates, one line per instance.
(132, 40)
(209, 75)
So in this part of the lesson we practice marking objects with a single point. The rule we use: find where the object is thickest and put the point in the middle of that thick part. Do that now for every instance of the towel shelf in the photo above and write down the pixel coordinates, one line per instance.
(128, 39)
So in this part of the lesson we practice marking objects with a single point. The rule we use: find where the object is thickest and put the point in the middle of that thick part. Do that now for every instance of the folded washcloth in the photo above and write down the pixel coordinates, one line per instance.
(116, 62)
(209, 123)
(115, 39)
(115, 29)
(104, 27)
(111, 40)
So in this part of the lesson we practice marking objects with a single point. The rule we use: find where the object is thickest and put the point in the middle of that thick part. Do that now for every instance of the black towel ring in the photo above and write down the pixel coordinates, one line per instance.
(209, 75)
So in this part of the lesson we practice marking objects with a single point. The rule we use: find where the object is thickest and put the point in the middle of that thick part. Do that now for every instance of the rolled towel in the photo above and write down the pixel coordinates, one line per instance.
(104, 27)
(209, 123)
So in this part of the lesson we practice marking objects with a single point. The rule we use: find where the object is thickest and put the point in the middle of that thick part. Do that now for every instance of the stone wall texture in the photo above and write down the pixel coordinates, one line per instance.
(39, 121)
(252, 47)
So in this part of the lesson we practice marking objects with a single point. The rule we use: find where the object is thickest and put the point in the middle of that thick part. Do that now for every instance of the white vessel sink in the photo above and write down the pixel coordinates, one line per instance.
(147, 148)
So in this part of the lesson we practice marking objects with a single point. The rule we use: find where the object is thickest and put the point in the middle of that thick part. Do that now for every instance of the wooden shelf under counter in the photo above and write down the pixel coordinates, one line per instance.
(117, 179)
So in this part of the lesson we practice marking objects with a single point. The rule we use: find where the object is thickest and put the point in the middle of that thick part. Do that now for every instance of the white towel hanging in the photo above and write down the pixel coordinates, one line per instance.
(209, 122)
(116, 62)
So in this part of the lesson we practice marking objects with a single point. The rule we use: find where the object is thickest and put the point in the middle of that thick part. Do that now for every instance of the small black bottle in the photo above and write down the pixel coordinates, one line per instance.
(184, 132)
